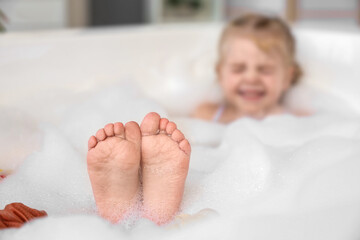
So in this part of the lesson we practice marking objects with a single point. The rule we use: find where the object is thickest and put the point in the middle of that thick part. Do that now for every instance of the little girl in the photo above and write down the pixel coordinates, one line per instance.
(256, 66)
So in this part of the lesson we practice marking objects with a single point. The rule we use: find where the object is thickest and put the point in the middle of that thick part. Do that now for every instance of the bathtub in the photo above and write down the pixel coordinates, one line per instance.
(281, 178)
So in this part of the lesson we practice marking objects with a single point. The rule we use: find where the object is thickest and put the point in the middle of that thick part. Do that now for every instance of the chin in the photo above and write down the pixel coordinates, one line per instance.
(251, 106)
(249, 111)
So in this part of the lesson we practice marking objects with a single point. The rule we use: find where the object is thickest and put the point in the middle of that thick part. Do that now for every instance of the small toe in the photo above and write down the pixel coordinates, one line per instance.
(170, 128)
(185, 146)
(92, 142)
(119, 130)
(132, 132)
(163, 124)
(150, 125)
(100, 134)
(109, 130)
(177, 136)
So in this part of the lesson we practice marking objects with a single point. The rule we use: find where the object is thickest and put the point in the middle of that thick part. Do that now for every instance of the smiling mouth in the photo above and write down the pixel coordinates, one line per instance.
(251, 95)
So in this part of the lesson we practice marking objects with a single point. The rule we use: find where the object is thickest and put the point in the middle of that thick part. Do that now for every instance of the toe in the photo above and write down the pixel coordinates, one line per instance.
(185, 146)
(177, 136)
(92, 142)
(109, 130)
(119, 130)
(132, 132)
(170, 128)
(163, 124)
(100, 134)
(150, 125)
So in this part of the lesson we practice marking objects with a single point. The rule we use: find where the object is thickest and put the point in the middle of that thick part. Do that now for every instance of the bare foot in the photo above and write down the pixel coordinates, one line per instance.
(165, 159)
(113, 165)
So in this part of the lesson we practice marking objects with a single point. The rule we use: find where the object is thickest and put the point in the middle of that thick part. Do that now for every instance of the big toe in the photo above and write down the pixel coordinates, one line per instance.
(150, 124)
(132, 132)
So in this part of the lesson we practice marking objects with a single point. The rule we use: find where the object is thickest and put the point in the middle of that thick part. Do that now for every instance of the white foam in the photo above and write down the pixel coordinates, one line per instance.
(53, 179)
(266, 179)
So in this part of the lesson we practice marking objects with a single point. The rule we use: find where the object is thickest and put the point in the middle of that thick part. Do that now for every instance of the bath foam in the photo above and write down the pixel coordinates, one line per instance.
(20, 136)
(266, 179)
(253, 169)
(70, 227)
(53, 179)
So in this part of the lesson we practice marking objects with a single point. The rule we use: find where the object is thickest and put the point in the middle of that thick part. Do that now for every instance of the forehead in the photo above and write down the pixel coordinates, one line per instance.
(244, 49)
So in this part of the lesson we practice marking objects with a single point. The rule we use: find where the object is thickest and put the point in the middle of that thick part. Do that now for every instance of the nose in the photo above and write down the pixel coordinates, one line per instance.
(251, 76)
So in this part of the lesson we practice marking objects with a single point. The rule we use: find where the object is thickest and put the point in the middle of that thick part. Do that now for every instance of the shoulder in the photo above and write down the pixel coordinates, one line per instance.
(298, 112)
(206, 111)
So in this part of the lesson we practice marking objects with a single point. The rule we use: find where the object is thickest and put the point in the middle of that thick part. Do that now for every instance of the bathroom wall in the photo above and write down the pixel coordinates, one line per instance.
(59, 14)
(35, 14)
(326, 12)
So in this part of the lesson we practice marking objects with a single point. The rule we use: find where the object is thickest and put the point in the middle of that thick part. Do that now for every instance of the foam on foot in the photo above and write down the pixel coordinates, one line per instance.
(165, 159)
(113, 166)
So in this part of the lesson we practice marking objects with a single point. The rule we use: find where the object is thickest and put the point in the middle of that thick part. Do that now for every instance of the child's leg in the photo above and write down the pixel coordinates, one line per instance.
(165, 159)
(113, 165)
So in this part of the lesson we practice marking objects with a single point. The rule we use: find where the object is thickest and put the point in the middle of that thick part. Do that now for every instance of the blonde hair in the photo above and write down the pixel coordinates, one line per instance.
(268, 33)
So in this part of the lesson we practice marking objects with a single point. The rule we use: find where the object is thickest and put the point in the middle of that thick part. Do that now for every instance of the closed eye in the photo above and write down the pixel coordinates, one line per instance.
(266, 69)
(238, 68)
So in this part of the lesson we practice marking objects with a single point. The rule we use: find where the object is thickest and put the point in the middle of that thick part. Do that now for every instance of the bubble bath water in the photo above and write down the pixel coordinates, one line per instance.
(281, 173)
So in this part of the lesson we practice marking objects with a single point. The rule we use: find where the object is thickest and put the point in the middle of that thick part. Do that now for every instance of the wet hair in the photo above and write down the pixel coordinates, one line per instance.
(268, 33)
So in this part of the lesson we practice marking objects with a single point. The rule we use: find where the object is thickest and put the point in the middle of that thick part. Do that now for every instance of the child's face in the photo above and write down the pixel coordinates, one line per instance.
(252, 80)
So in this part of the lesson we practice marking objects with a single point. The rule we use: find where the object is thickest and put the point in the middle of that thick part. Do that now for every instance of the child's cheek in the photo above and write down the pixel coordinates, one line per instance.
(228, 82)
(273, 85)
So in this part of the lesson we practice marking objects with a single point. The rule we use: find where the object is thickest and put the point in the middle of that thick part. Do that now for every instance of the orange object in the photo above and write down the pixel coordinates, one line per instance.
(15, 215)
